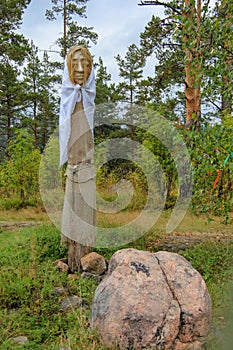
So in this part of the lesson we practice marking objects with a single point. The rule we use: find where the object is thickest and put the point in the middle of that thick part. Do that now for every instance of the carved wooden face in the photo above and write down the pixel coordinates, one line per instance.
(79, 64)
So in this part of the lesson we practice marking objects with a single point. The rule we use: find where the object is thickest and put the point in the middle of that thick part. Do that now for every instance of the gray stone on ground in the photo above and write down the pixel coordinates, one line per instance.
(92, 276)
(94, 263)
(60, 291)
(72, 302)
(21, 340)
(156, 301)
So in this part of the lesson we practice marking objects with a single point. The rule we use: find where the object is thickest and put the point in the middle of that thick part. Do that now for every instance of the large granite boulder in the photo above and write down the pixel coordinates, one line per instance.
(154, 301)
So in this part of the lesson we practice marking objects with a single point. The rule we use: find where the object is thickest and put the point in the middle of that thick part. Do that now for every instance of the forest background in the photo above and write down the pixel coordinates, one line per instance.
(191, 87)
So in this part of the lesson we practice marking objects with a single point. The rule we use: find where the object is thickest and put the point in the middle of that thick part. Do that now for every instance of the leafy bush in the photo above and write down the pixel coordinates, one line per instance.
(211, 150)
(19, 186)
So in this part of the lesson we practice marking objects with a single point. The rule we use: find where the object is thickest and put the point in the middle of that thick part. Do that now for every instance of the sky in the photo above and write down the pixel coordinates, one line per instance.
(117, 22)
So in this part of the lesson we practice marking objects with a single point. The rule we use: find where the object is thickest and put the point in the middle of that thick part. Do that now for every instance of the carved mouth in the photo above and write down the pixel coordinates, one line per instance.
(79, 76)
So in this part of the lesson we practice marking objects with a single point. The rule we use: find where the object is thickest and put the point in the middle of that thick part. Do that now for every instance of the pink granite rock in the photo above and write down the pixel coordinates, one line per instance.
(152, 300)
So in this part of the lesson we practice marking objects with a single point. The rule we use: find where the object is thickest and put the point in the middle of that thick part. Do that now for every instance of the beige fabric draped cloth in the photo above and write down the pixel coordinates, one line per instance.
(79, 210)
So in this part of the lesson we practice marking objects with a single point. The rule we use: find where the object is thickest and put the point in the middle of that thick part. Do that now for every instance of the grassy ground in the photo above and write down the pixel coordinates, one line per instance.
(22, 215)
(29, 308)
(190, 225)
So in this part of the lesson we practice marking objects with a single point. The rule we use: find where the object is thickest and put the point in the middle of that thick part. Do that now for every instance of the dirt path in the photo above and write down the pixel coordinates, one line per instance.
(177, 243)
(11, 226)
(192, 230)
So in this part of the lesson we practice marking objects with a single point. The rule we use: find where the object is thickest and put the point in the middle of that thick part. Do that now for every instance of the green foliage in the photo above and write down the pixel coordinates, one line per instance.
(12, 104)
(13, 46)
(208, 149)
(19, 176)
(161, 38)
(11, 14)
(13, 49)
(219, 65)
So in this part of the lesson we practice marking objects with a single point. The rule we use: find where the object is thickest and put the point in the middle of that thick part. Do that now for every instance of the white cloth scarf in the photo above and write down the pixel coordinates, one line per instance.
(70, 94)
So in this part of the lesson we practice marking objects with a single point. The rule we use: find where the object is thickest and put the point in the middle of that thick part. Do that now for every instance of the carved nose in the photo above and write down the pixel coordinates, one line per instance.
(79, 67)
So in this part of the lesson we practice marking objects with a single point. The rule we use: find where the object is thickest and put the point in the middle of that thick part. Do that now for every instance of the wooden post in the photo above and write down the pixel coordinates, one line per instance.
(78, 219)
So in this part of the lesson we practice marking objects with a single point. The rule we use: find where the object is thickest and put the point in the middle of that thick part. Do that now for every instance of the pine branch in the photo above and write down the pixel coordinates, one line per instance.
(213, 103)
(41, 50)
(160, 3)
(206, 7)
(172, 45)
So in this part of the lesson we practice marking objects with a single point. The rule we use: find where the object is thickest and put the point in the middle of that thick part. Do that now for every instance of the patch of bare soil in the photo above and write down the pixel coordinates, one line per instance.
(11, 226)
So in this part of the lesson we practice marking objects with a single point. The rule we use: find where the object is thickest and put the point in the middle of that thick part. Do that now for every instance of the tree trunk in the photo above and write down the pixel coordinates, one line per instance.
(64, 29)
(35, 122)
(8, 136)
(8, 127)
(192, 64)
(75, 252)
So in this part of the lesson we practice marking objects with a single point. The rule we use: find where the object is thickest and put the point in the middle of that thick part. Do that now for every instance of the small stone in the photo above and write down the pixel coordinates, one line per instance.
(71, 302)
(94, 263)
(65, 260)
(61, 265)
(73, 276)
(60, 291)
(21, 340)
(91, 276)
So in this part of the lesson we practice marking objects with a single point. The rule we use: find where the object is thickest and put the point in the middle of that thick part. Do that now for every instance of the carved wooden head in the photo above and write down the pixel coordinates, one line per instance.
(79, 62)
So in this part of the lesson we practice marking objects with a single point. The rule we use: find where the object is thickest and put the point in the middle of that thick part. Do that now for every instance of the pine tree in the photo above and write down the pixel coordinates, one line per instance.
(49, 83)
(31, 75)
(13, 50)
(131, 70)
(73, 34)
(178, 42)
(11, 105)
(103, 91)
(40, 83)
(13, 46)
